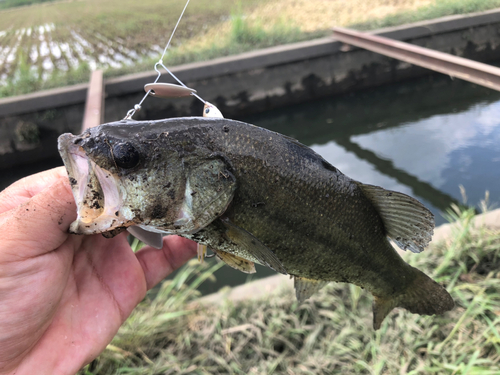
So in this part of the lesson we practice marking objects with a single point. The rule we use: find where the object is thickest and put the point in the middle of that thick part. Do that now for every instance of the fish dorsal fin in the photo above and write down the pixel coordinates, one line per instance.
(407, 221)
(149, 238)
(236, 262)
(305, 288)
(250, 244)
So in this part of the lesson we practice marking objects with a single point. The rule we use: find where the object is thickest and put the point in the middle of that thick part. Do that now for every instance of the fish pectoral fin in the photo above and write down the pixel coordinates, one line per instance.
(305, 288)
(250, 244)
(236, 262)
(407, 221)
(152, 239)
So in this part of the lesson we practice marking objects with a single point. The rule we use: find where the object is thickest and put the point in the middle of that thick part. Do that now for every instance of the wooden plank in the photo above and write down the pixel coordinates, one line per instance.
(94, 106)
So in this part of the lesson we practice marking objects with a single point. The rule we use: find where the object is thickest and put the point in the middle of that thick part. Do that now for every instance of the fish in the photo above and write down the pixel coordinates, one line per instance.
(252, 195)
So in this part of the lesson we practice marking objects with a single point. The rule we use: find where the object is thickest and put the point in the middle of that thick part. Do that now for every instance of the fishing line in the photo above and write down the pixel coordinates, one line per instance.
(173, 32)
(137, 107)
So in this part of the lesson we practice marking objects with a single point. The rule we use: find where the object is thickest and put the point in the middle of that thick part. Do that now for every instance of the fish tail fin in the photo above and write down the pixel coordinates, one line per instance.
(423, 296)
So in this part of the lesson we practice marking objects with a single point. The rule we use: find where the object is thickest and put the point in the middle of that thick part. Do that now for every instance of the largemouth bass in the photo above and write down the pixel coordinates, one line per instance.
(252, 196)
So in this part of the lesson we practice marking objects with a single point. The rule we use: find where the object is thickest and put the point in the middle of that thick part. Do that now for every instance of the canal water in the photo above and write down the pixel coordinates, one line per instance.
(424, 137)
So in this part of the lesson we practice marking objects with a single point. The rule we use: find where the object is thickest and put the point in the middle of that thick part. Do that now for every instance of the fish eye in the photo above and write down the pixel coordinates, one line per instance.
(125, 155)
(207, 110)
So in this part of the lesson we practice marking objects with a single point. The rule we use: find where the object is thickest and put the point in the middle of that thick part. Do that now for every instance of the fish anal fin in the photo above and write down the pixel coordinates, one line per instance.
(423, 296)
(250, 244)
(381, 308)
(236, 262)
(305, 288)
(407, 221)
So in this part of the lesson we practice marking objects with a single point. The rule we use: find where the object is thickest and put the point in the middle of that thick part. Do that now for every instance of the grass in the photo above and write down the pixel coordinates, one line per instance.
(5, 4)
(243, 36)
(135, 32)
(330, 333)
(435, 10)
(26, 79)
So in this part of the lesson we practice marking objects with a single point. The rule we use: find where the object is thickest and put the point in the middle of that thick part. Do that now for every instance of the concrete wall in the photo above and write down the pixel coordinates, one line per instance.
(243, 84)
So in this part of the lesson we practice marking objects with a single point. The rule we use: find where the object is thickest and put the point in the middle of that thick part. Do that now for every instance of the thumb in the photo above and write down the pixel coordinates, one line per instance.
(41, 224)
(26, 188)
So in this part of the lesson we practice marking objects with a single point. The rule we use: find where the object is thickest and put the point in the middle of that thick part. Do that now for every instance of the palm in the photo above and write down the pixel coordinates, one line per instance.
(64, 297)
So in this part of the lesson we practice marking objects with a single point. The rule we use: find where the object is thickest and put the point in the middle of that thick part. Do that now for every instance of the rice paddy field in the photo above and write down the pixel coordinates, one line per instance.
(331, 333)
(57, 43)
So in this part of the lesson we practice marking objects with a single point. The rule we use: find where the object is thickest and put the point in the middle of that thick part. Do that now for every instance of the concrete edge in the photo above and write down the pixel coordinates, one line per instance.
(280, 283)
(46, 99)
(69, 95)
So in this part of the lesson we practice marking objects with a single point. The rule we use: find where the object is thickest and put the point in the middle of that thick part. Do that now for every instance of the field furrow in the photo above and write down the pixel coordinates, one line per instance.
(12, 58)
(85, 49)
(7, 44)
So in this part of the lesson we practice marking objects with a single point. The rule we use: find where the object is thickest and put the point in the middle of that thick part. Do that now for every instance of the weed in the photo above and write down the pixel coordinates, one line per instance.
(157, 322)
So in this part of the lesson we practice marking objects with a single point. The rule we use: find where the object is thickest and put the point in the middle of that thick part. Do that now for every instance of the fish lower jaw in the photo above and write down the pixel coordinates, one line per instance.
(102, 224)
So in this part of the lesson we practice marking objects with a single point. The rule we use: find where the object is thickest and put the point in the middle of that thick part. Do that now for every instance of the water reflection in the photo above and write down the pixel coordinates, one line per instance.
(423, 138)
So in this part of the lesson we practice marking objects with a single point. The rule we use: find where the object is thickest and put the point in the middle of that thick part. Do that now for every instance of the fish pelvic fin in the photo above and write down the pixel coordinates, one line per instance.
(252, 245)
(152, 239)
(423, 296)
(407, 221)
(235, 262)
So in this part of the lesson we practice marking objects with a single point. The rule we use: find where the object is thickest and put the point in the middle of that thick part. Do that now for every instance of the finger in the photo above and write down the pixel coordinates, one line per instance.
(158, 264)
(41, 224)
(24, 189)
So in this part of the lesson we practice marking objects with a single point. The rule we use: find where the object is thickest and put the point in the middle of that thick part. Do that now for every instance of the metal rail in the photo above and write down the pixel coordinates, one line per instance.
(472, 71)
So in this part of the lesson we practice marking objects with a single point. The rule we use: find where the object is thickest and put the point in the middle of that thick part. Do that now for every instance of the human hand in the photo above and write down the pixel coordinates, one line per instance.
(63, 297)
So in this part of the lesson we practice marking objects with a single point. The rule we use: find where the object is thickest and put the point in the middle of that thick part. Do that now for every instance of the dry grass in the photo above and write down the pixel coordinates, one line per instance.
(311, 18)
(323, 14)
(330, 333)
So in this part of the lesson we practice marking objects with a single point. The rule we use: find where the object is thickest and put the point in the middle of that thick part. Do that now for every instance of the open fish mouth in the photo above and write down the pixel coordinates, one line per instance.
(96, 192)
